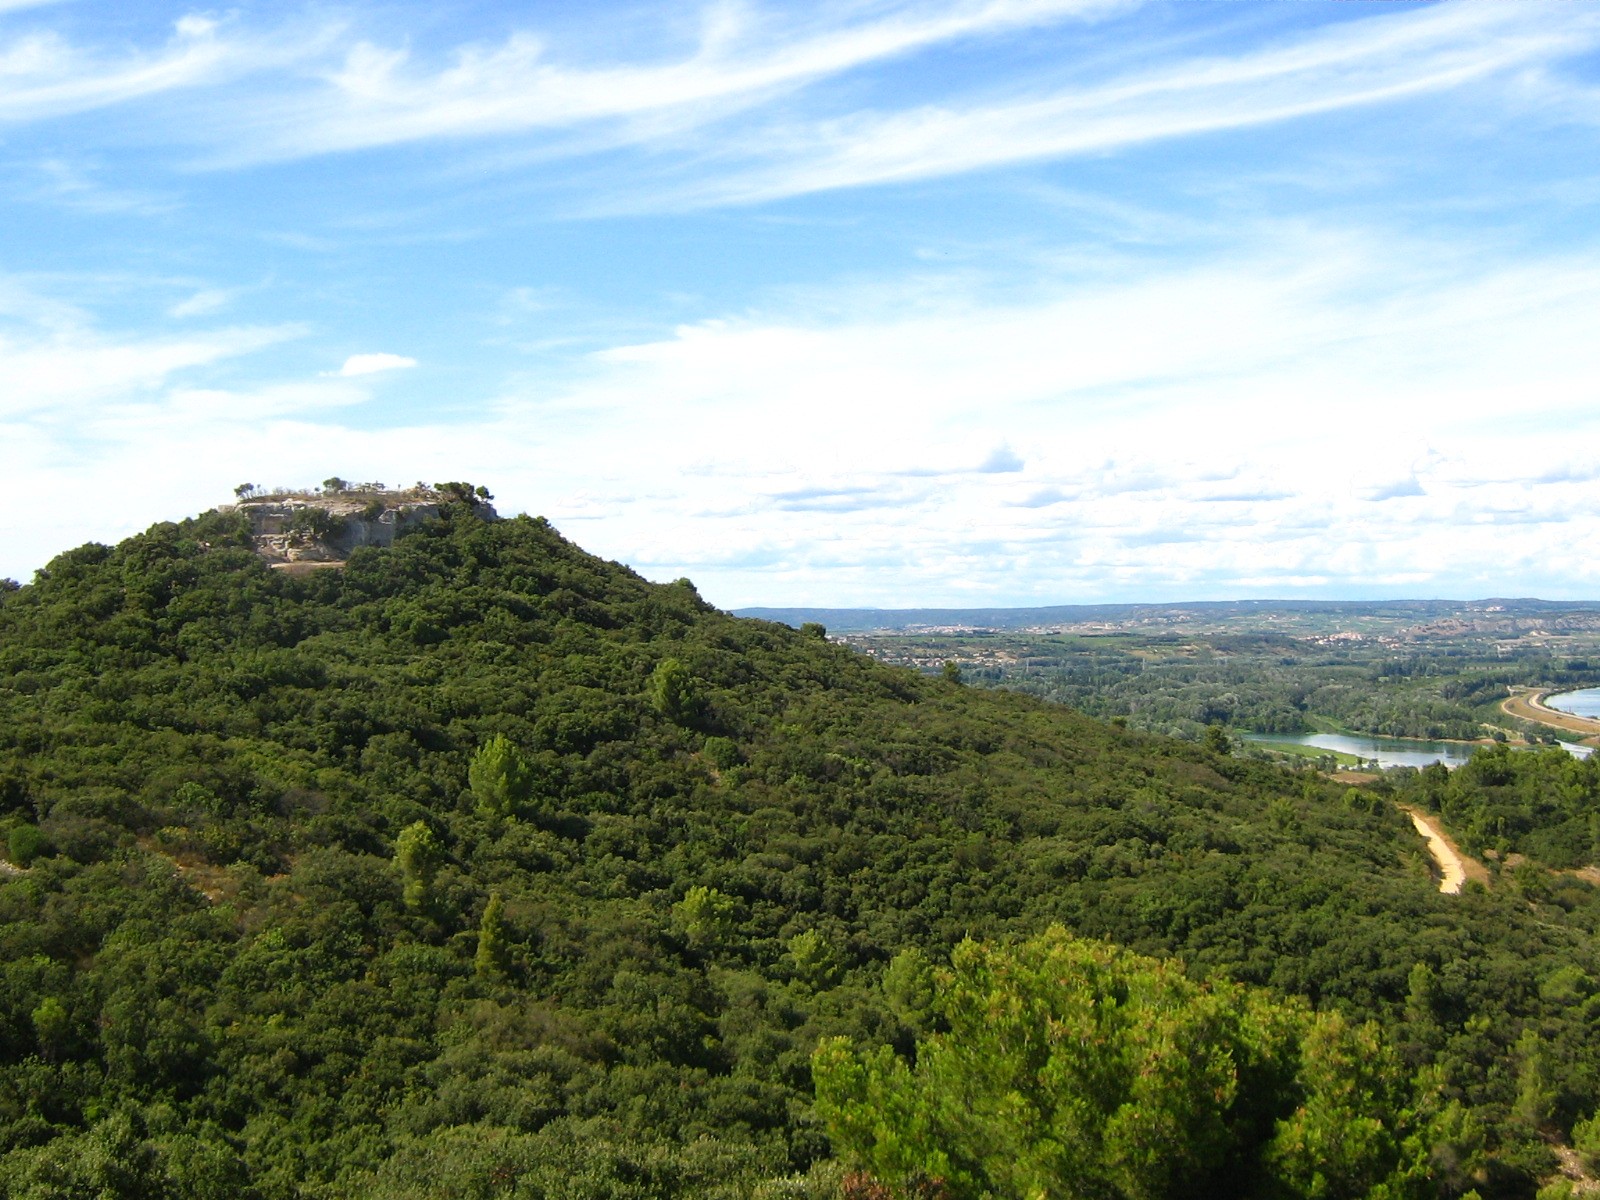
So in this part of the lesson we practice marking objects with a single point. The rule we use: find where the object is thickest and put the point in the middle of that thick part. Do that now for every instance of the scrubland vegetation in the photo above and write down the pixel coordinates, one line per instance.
(484, 868)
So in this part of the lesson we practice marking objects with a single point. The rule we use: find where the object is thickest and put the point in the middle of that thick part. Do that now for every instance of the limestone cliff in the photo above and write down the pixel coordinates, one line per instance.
(310, 529)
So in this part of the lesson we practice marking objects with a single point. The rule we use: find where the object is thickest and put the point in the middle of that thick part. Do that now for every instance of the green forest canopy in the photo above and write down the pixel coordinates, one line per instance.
(483, 867)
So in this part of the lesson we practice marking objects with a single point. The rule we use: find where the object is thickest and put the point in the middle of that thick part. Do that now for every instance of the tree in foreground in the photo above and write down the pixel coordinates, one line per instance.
(1077, 1071)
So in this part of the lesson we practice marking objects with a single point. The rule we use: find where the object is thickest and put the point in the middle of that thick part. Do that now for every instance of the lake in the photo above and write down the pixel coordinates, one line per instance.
(1390, 752)
(1394, 752)
(1585, 703)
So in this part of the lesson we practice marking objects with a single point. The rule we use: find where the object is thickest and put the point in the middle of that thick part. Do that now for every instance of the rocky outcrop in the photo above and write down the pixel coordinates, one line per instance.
(316, 528)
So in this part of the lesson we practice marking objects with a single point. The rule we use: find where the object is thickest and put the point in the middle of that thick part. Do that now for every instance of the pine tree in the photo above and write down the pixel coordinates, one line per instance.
(418, 853)
(493, 959)
(498, 777)
(673, 693)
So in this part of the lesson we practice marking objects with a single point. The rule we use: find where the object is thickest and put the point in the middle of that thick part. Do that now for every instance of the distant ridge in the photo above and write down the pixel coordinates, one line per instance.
(862, 620)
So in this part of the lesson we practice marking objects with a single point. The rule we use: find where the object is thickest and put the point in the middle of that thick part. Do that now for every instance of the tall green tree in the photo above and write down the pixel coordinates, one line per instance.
(418, 853)
(493, 957)
(498, 777)
(705, 916)
(673, 693)
(52, 1023)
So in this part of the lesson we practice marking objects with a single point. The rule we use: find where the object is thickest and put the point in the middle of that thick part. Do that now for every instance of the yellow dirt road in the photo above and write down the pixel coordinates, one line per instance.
(1528, 705)
(1455, 868)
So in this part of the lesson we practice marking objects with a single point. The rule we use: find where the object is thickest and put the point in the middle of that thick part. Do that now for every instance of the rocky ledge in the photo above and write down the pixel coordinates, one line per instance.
(305, 530)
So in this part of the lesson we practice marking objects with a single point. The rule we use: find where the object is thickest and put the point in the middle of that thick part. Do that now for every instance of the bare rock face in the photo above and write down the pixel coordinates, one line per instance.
(317, 529)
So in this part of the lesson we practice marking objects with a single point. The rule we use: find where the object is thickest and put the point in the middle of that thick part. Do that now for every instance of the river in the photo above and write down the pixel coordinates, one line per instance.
(1585, 703)
(1390, 752)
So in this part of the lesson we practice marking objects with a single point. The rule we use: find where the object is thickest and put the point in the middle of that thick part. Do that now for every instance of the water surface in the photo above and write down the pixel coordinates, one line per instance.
(1390, 752)
(1584, 703)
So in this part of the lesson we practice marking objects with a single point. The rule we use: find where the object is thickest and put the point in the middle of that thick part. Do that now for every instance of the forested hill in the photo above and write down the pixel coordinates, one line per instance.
(482, 867)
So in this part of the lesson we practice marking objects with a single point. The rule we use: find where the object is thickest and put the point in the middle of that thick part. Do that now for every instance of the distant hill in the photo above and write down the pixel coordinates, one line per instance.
(867, 620)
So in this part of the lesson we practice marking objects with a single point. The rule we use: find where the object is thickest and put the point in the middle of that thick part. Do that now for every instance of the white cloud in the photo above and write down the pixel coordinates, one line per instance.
(378, 96)
(721, 118)
(42, 75)
(54, 372)
(1357, 63)
(1242, 443)
(88, 413)
(371, 364)
(778, 457)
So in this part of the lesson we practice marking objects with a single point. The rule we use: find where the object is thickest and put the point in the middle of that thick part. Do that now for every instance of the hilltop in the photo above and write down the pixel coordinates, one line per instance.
(484, 867)
(302, 529)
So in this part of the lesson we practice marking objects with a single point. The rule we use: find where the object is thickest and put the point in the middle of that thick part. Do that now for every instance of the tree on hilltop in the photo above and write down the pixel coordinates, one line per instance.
(464, 492)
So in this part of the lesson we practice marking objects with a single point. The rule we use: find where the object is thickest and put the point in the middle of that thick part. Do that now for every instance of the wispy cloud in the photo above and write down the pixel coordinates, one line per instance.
(716, 135)
(722, 119)
(43, 75)
(53, 373)
(76, 187)
(380, 95)
(1357, 63)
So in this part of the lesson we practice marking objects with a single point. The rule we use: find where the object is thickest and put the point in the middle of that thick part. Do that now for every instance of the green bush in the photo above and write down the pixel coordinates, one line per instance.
(25, 843)
(723, 752)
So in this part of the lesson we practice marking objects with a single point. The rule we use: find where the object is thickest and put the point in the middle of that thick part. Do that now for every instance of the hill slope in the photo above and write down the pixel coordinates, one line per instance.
(485, 867)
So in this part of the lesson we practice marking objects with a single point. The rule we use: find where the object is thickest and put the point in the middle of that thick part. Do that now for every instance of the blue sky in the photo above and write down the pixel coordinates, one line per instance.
(947, 302)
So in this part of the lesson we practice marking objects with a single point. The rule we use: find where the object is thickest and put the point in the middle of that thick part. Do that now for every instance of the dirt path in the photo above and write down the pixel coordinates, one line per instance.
(1528, 705)
(1455, 868)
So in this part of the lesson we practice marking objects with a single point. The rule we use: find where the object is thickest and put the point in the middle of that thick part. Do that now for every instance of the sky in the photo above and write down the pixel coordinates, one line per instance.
(877, 302)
